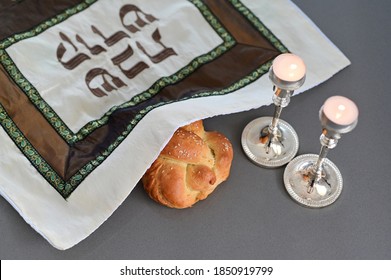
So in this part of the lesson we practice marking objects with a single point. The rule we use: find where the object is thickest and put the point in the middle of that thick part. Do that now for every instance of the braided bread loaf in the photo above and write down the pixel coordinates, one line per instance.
(190, 167)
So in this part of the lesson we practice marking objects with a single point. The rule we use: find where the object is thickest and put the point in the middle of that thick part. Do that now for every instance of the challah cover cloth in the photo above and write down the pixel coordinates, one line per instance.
(91, 91)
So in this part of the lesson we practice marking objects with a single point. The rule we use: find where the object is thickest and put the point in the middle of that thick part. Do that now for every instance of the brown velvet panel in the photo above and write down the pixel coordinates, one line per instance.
(19, 16)
(34, 126)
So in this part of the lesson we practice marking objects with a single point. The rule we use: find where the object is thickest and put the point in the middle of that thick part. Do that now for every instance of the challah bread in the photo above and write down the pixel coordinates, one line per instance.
(190, 167)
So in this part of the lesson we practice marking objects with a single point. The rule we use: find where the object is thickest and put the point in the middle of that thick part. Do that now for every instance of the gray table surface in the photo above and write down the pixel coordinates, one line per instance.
(251, 216)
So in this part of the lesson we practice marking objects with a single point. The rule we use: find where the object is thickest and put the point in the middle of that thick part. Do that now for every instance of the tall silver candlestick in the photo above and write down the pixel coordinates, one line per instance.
(270, 141)
(313, 180)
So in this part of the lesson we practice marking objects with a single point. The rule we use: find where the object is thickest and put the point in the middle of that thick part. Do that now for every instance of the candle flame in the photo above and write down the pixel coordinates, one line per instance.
(341, 109)
(292, 67)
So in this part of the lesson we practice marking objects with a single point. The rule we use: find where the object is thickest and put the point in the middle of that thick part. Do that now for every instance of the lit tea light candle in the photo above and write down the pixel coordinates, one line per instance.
(340, 110)
(289, 67)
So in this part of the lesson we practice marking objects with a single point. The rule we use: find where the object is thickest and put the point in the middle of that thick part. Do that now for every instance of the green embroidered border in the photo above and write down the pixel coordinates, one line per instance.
(67, 134)
(65, 188)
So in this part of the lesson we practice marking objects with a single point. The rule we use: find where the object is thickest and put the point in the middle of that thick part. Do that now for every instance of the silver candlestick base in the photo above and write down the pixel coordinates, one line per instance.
(274, 153)
(307, 190)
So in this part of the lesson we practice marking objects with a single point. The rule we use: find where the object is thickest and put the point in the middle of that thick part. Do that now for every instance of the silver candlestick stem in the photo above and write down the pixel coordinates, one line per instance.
(270, 141)
(313, 180)
(316, 171)
(271, 135)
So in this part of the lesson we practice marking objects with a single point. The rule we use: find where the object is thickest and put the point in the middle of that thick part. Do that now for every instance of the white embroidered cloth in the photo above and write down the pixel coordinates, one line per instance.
(90, 94)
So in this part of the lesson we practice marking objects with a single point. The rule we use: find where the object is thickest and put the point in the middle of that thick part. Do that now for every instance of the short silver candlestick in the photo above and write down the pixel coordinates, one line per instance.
(269, 141)
(313, 180)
